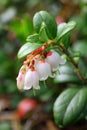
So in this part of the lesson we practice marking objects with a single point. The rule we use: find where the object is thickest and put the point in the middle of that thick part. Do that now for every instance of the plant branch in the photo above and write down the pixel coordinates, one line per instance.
(79, 73)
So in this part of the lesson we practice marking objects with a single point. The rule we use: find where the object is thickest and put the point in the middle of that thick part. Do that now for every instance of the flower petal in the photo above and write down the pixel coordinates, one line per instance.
(43, 69)
(62, 61)
(31, 79)
(27, 87)
(54, 59)
(20, 79)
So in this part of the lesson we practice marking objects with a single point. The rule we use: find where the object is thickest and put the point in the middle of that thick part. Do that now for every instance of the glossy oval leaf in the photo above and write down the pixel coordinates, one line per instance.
(48, 19)
(66, 40)
(33, 38)
(81, 47)
(66, 78)
(28, 48)
(42, 34)
(66, 74)
(70, 106)
(61, 104)
(75, 107)
(64, 28)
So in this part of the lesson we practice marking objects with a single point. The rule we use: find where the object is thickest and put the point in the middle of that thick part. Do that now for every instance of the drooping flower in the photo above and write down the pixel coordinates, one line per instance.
(31, 80)
(43, 69)
(54, 59)
(21, 77)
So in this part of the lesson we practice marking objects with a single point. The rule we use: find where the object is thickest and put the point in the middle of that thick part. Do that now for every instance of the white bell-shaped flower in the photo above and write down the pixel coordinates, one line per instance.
(20, 79)
(31, 80)
(54, 59)
(43, 69)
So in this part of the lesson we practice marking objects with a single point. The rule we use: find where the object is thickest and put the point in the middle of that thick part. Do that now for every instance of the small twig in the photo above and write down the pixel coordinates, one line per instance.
(79, 73)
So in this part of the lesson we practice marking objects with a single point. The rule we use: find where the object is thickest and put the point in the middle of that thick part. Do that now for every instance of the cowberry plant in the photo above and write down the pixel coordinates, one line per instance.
(46, 51)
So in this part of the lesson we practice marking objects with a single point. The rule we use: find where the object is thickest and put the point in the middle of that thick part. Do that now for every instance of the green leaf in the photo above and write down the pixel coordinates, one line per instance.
(66, 40)
(28, 48)
(64, 28)
(61, 104)
(33, 38)
(41, 37)
(81, 47)
(66, 78)
(70, 106)
(48, 19)
(75, 107)
(42, 34)
(66, 74)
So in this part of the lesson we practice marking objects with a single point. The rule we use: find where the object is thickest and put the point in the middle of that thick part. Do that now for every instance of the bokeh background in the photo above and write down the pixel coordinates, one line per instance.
(15, 25)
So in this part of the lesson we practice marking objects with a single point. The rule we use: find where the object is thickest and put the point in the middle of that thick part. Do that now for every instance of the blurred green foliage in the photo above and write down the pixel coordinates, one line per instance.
(5, 126)
(15, 26)
(13, 32)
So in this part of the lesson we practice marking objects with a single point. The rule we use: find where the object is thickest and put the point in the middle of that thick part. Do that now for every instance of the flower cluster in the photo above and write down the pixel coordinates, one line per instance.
(38, 66)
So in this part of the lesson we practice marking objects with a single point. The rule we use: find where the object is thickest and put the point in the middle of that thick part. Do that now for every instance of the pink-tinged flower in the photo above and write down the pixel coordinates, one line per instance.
(54, 59)
(20, 79)
(31, 80)
(43, 69)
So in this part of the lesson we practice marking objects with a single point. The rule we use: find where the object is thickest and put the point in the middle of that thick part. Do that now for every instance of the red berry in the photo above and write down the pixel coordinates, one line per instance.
(26, 106)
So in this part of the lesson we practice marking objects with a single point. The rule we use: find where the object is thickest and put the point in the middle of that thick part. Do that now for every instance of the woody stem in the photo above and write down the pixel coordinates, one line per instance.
(79, 73)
